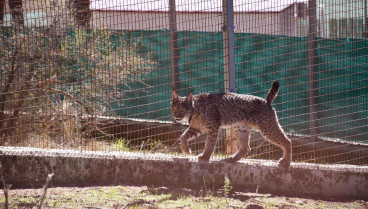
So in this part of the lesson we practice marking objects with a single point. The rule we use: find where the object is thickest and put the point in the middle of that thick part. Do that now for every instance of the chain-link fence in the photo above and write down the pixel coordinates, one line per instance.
(97, 75)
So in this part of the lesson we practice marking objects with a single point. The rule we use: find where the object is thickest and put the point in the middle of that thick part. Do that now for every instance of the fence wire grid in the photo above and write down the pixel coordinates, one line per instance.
(96, 75)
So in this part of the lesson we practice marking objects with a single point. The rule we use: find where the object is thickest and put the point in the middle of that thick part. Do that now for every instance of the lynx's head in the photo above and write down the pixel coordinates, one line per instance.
(181, 107)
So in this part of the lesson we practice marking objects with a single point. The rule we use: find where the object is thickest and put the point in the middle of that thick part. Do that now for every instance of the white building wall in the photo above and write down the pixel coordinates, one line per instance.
(262, 23)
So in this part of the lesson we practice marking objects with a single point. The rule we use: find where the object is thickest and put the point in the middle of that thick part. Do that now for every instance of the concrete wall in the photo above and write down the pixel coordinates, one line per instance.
(24, 167)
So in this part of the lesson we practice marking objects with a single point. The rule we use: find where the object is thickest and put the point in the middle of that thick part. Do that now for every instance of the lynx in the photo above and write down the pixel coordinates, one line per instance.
(207, 113)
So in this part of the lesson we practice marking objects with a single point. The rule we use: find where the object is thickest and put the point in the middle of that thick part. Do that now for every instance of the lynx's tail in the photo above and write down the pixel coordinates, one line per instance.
(273, 92)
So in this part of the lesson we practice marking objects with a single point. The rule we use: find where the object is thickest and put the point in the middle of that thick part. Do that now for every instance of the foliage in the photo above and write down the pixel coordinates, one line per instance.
(121, 145)
(227, 187)
(56, 76)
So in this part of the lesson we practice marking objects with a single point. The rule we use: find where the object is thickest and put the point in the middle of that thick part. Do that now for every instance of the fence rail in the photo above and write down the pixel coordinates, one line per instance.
(97, 74)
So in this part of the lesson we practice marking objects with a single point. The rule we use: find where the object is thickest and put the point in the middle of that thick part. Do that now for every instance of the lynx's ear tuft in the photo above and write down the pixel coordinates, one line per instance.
(175, 95)
(189, 97)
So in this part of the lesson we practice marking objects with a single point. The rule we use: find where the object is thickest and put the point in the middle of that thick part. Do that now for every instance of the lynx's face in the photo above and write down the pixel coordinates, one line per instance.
(181, 107)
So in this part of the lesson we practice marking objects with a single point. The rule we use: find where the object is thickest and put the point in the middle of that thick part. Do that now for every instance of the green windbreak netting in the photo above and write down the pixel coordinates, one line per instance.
(200, 67)
(342, 76)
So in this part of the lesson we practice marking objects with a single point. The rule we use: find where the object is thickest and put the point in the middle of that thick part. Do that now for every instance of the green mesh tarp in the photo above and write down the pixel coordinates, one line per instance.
(342, 76)
(200, 68)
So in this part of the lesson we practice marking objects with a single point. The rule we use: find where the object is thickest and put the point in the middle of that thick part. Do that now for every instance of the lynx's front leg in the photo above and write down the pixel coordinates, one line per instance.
(210, 146)
(188, 135)
(212, 124)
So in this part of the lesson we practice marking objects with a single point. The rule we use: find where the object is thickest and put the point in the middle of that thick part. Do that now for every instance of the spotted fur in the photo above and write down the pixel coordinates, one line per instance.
(207, 113)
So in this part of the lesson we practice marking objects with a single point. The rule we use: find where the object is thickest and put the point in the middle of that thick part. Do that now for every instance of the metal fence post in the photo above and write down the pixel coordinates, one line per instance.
(173, 46)
(365, 29)
(312, 67)
(228, 38)
(229, 65)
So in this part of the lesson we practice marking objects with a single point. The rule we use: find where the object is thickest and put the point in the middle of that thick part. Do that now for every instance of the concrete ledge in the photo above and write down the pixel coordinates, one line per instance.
(24, 167)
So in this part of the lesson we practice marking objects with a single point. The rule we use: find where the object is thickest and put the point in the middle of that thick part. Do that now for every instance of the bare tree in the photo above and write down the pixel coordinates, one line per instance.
(16, 10)
(57, 75)
(82, 12)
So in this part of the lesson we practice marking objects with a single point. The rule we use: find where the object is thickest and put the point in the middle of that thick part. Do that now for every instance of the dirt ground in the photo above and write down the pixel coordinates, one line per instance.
(162, 197)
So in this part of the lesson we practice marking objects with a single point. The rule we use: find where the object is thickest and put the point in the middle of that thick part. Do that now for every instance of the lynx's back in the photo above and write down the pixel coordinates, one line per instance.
(232, 108)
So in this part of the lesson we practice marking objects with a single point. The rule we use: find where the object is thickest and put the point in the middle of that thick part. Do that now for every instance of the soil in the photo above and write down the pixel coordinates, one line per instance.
(162, 197)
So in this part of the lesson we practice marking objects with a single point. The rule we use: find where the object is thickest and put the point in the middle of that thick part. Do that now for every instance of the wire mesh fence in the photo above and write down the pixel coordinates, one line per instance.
(97, 74)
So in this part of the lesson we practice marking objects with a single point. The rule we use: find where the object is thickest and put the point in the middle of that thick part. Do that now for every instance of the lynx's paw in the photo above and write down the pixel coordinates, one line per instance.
(185, 147)
(231, 159)
(284, 163)
(202, 158)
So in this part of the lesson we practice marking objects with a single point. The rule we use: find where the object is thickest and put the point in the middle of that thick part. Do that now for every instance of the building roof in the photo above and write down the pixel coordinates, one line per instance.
(191, 5)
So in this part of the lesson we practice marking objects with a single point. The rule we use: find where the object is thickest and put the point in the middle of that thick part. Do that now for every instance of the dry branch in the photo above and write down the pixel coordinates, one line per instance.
(138, 202)
(43, 197)
(6, 187)
(9, 82)
(88, 110)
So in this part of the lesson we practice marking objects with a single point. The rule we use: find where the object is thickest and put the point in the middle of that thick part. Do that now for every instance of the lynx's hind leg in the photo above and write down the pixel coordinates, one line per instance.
(272, 131)
(242, 134)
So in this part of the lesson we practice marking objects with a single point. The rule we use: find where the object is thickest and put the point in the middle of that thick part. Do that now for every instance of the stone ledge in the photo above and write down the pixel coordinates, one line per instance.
(28, 167)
